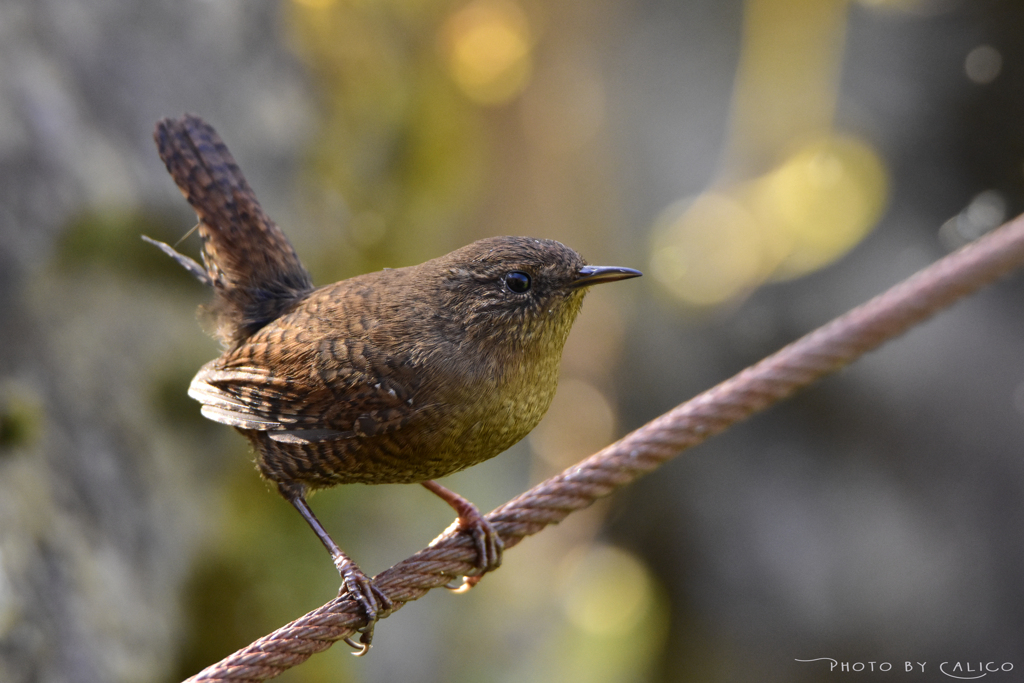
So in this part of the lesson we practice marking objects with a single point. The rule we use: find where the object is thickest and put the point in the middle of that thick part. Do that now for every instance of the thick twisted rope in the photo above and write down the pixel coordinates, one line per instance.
(797, 365)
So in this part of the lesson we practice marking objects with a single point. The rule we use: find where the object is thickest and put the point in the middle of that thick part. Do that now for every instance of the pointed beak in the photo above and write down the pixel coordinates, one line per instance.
(595, 275)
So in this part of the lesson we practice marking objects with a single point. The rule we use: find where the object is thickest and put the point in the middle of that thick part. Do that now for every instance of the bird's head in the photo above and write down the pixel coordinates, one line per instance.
(519, 291)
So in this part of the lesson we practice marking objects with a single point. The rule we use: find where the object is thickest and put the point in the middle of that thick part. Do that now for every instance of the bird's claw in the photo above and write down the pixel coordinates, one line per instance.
(376, 605)
(489, 546)
(362, 648)
(489, 550)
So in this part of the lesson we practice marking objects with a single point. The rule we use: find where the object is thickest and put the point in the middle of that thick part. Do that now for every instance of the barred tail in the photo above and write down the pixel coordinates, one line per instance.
(251, 265)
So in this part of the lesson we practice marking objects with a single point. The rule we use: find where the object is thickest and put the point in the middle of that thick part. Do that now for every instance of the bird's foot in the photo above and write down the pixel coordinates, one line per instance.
(488, 543)
(374, 602)
(489, 547)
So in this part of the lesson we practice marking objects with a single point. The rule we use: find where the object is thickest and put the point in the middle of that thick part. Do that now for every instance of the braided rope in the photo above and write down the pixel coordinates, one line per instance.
(795, 366)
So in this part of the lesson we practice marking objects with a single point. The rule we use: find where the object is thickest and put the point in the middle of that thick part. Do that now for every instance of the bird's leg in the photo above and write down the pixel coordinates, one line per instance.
(488, 543)
(374, 602)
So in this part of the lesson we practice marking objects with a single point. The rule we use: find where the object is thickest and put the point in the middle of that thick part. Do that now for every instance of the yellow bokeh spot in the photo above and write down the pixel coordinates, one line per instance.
(315, 4)
(580, 422)
(820, 203)
(608, 593)
(708, 251)
(488, 48)
(811, 210)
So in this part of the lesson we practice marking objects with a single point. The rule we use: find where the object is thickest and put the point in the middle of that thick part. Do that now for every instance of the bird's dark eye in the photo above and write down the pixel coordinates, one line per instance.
(517, 281)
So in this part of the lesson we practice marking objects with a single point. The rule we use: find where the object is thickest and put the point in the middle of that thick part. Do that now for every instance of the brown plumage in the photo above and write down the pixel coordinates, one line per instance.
(397, 376)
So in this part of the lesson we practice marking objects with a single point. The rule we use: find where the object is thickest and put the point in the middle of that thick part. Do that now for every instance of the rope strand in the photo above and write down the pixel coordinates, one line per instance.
(773, 379)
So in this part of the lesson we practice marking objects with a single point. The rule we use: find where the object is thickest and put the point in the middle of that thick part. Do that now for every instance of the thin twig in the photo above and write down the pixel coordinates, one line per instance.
(801, 363)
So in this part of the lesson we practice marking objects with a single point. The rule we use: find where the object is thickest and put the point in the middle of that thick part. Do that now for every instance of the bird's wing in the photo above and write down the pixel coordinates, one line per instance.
(301, 406)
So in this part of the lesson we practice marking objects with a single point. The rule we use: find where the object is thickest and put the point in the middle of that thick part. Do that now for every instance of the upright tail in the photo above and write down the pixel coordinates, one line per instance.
(253, 269)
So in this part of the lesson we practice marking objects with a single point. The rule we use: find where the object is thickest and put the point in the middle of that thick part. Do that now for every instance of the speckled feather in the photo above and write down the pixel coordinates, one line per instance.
(401, 375)
(396, 376)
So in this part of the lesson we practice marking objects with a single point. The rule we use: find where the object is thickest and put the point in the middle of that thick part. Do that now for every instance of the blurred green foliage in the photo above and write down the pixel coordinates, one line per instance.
(20, 420)
(395, 139)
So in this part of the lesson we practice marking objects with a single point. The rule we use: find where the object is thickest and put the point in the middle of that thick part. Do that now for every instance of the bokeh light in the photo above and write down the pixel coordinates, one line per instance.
(614, 613)
(808, 212)
(793, 194)
(607, 591)
(986, 211)
(315, 4)
(488, 47)
(983, 64)
(820, 203)
(580, 421)
(708, 250)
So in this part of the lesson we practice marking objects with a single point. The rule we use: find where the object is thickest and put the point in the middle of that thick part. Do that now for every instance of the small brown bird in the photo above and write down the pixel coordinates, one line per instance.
(397, 376)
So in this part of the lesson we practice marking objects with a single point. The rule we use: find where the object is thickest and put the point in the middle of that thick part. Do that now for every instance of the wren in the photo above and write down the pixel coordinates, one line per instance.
(396, 376)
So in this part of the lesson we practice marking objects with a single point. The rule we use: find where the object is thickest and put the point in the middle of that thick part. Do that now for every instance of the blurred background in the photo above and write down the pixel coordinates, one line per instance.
(767, 163)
